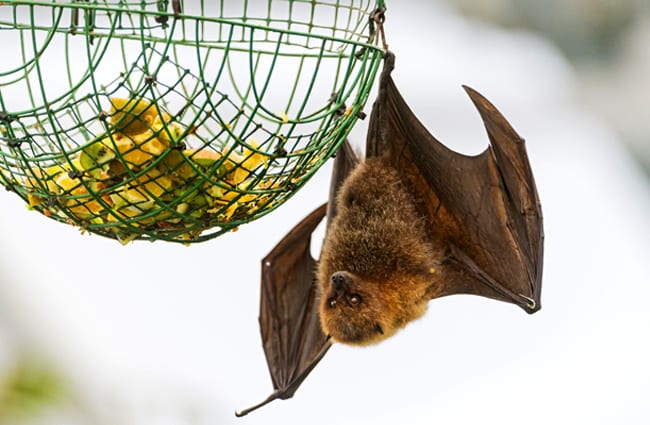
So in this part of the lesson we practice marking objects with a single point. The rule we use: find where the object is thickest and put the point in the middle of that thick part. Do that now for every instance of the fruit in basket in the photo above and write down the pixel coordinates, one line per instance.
(131, 116)
(138, 176)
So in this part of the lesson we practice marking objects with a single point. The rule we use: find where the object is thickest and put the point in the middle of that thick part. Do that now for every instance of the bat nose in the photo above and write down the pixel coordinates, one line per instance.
(340, 282)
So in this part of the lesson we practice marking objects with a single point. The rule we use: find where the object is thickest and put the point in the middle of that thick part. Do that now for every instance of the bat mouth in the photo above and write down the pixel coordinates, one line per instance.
(358, 336)
(342, 289)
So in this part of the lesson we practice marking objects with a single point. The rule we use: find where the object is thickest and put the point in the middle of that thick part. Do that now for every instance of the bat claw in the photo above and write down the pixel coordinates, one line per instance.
(531, 304)
(240, 413)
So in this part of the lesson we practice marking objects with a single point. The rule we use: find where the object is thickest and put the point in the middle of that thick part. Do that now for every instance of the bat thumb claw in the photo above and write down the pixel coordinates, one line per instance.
(531, 306)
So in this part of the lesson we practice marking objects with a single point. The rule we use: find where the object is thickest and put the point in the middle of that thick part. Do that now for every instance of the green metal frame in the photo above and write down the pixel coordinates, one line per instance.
(267, 89)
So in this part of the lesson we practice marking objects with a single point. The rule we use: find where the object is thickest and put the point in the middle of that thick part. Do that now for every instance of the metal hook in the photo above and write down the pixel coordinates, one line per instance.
(378, 18)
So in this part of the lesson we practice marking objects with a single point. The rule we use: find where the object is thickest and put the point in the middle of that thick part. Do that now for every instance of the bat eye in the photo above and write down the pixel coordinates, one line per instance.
(331, 302)
(354, 299)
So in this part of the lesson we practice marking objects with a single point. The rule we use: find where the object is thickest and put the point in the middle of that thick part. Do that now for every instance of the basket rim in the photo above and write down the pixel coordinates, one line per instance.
(174, 18)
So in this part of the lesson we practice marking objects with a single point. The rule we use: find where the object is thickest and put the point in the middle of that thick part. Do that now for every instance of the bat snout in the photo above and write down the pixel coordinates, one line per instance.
(340, 281)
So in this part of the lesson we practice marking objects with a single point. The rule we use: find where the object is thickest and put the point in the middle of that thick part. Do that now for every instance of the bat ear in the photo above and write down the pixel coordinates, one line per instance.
(379, 329)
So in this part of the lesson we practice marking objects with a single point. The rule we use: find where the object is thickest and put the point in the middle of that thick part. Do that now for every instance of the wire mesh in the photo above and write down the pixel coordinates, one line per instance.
(171, 120)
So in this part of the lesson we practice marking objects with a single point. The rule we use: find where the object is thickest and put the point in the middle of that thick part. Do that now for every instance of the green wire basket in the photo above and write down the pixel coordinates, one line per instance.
(172, 120)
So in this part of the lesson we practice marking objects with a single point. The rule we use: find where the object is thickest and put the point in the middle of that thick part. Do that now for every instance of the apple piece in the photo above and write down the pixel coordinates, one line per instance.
(96, 157)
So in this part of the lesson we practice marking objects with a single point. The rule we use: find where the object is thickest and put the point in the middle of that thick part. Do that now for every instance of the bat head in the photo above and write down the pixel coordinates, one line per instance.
(358, 311)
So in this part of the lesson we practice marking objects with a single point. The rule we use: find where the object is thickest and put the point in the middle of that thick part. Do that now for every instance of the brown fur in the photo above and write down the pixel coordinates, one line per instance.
(379, 241)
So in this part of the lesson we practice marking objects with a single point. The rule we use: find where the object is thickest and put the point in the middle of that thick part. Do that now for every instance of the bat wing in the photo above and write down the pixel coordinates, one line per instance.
(291, 334)
(483, 211)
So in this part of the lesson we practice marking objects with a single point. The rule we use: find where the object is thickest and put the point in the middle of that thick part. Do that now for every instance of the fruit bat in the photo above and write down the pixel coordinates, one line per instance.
(413, 222)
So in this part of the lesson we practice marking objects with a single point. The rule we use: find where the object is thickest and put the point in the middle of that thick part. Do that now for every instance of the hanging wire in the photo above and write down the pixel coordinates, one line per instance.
(177, 121)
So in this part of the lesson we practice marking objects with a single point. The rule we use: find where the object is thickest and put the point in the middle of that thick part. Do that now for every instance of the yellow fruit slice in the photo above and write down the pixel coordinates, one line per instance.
(154, 183)
(167, 131)
(43, 181)
(153, 145)
(130, 116)
(130, 149)
(76, 197)
(245, 163)
(142, 194)
(182, 166)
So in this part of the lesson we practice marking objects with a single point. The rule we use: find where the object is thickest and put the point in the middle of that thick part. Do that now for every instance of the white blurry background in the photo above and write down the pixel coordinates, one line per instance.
(166, 334)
